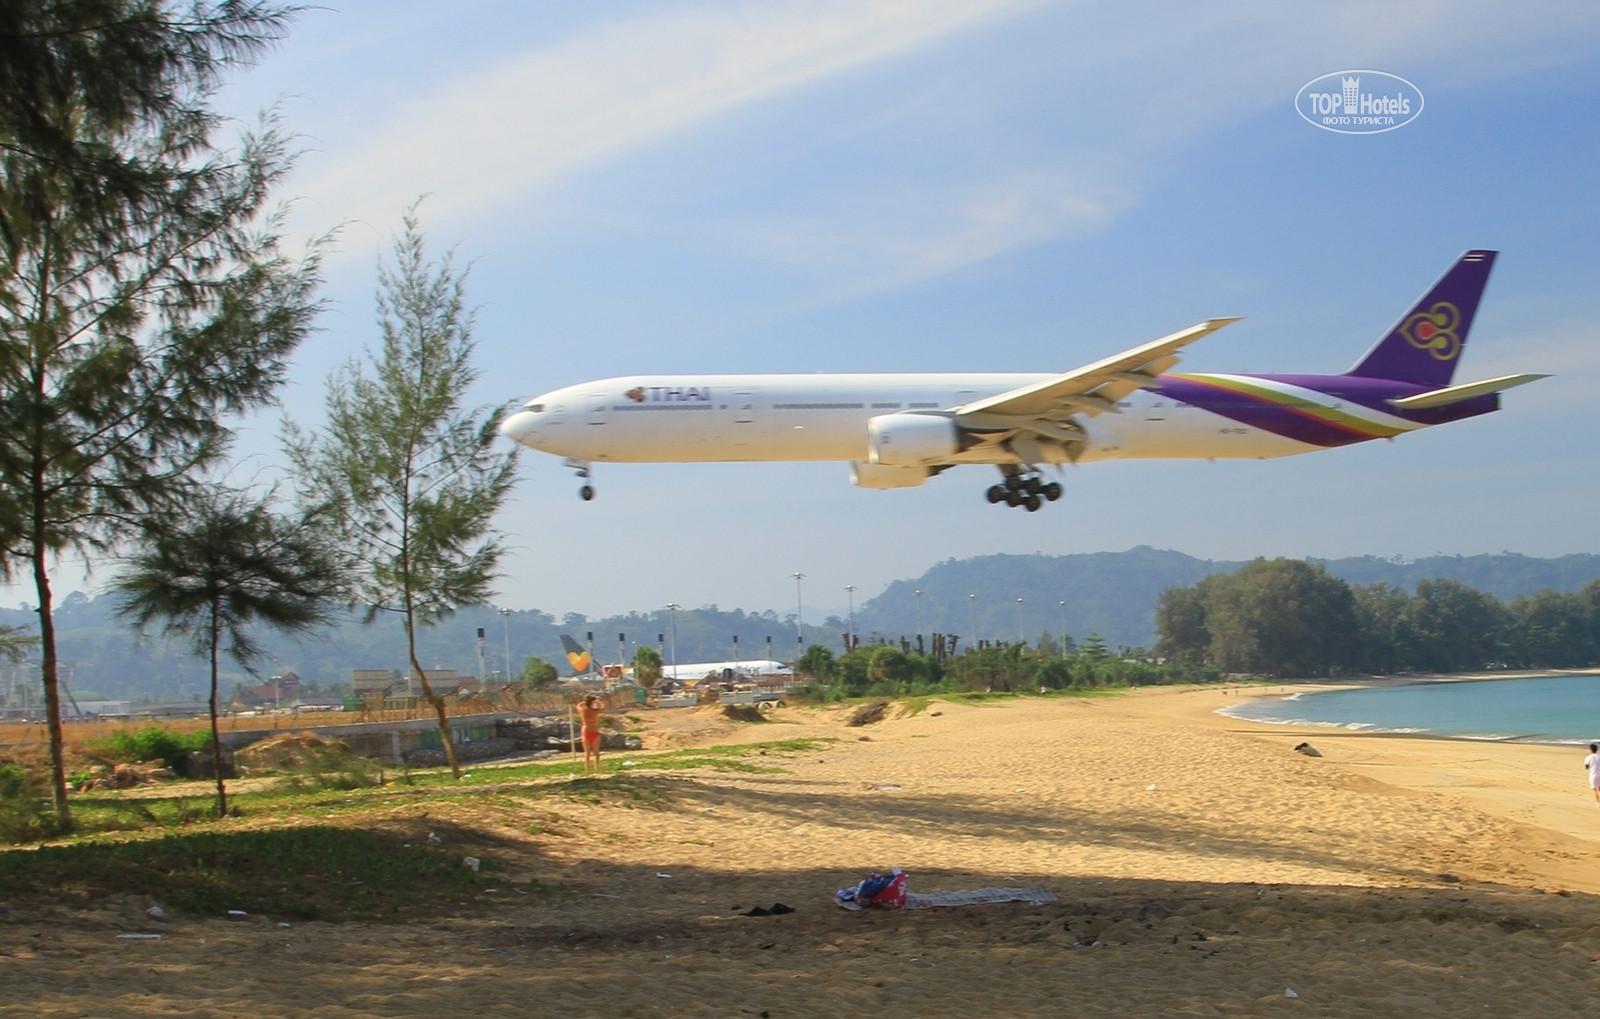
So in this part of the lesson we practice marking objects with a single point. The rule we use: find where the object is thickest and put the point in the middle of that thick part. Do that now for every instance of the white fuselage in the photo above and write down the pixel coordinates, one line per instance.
(669, 419)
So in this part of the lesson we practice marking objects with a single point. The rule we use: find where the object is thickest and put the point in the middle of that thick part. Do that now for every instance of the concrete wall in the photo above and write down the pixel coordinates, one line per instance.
(386, 741)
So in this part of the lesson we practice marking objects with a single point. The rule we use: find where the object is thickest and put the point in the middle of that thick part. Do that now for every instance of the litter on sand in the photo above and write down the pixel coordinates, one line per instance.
(888, 891)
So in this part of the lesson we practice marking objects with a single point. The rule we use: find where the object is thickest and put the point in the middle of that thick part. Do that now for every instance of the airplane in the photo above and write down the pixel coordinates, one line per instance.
(582, 663)
(899, 430)
(578, 657)
(726, 670)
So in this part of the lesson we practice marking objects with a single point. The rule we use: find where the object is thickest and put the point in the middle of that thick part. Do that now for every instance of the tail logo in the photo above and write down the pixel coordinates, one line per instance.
(1434, 330)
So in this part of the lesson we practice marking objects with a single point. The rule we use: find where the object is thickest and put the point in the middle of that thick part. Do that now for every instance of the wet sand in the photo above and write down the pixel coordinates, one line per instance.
(1201, 868)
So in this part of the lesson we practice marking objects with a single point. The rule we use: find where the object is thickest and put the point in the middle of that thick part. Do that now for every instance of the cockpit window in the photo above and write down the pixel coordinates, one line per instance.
(537, 408)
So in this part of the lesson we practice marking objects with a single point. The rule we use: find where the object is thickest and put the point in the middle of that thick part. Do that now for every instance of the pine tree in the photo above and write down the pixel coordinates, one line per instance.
(143, 295)
(222, 566)
(413, 478)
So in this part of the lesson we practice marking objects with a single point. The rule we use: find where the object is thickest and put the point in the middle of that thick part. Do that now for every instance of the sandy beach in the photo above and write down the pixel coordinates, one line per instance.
(1200, 867)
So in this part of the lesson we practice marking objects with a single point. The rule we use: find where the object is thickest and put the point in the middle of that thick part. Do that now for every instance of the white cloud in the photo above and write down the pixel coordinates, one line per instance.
(924, 233)
(499, 135)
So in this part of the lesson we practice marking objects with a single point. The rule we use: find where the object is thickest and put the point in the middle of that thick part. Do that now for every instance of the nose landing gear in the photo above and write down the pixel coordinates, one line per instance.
(1027, 490)
(586, 491)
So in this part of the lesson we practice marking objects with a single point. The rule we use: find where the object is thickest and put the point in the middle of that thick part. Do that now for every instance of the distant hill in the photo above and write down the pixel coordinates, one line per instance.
(1114, 593)
(1109, 593)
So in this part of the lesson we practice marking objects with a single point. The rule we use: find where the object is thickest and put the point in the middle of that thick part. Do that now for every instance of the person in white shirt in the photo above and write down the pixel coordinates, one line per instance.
(1592, 765)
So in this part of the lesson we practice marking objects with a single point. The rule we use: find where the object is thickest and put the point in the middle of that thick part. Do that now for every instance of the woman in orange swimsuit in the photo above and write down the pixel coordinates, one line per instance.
(589, 712)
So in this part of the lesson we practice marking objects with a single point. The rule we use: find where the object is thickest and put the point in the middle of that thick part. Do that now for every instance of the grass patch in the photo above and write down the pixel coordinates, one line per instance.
(319, 872)
(169, 849)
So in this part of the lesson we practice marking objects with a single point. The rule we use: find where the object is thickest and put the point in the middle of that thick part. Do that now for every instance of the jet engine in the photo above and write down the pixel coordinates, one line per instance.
(879, 476)
(911, 440)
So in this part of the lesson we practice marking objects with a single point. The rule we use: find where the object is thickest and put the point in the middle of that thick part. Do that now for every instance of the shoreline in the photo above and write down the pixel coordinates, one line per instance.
(1315, 686)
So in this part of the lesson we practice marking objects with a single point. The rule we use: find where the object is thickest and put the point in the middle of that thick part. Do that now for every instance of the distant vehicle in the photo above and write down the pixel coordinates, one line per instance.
(898, 430)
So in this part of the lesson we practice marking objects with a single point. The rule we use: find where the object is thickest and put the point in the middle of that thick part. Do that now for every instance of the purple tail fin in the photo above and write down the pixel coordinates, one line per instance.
(1424, 345)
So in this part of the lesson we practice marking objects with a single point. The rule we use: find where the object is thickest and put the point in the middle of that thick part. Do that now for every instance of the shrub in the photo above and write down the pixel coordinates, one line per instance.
(153, 742)
(25, 814)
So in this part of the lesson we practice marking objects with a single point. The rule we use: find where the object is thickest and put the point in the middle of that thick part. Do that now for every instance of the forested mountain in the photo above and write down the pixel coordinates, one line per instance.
(1113, 594)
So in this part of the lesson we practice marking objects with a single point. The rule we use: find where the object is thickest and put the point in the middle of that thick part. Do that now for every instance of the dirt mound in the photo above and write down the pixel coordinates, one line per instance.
(867, 714)
(293, 752)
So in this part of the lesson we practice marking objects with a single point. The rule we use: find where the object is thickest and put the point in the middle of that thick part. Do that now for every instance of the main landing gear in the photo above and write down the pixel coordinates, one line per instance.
(586, 491)
(1029, 490)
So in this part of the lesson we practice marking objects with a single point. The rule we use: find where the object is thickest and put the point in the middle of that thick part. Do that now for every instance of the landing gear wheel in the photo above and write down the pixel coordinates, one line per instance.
(586, 493)
(997, 493)
(1052, 491)
(1013, 498)
(1032, 502)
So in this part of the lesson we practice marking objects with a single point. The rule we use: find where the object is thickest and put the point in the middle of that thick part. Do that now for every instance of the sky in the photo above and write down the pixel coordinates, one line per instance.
(959, 185)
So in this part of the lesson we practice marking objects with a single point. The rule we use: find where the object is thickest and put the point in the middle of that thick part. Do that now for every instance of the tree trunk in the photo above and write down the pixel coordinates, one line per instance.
(433, 698)
(48, 675)
(216, 743)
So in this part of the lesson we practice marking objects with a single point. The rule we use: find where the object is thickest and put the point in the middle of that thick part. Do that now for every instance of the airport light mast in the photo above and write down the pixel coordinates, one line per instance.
(799, 611)
(672, 612)
(505, 633)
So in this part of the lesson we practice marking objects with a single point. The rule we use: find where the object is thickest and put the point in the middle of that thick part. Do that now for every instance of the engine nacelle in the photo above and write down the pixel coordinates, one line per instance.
(880, 476)
(911, 440)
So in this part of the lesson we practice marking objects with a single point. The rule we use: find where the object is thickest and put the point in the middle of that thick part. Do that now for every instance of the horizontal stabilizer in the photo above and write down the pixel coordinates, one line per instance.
(1466, 391)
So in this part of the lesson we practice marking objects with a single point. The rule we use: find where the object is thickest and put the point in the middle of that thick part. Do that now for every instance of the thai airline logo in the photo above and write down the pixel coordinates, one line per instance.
(1359, 102)
(669, 394)
(1434, 330)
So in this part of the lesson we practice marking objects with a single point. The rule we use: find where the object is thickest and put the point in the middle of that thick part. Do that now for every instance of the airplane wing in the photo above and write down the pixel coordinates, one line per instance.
(1096, 388)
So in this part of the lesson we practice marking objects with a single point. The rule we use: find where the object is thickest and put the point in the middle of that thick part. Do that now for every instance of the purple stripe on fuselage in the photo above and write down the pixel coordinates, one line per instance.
(1303, 425)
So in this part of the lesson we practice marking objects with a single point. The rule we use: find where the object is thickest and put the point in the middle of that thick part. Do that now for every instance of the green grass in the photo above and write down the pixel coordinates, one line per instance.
(170, 849)
(316, 872)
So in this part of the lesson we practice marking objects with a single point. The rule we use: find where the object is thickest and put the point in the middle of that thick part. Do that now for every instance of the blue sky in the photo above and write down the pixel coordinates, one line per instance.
(986, 185)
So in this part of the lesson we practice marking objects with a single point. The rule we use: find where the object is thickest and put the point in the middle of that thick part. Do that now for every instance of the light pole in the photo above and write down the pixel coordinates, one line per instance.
(1063, 629)
(916, 601)
(505, 633)
(850, 594)
(1022, 635)
(799, 611)
(672, 611)
(972, 600)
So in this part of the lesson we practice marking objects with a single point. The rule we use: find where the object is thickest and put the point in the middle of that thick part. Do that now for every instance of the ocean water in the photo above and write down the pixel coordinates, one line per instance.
(1546, 709)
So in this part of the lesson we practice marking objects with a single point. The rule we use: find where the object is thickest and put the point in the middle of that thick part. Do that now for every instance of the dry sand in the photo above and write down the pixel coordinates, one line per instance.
(1202, 868)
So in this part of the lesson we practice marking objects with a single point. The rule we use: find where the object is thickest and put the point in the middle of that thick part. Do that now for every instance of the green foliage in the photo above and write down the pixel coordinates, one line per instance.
(646, 666)
(817, 662)
(410, 476)
(538, 673)
(25, 814)
(144, 298)
(151, 743)
(14, 643)
(1280, 617)
(1287, 618)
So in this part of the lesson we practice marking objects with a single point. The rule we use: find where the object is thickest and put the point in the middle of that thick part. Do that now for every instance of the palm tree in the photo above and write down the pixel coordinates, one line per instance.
(227, 564)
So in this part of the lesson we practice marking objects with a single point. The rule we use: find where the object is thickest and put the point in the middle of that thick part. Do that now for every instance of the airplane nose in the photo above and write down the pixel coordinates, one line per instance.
(522, 427)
